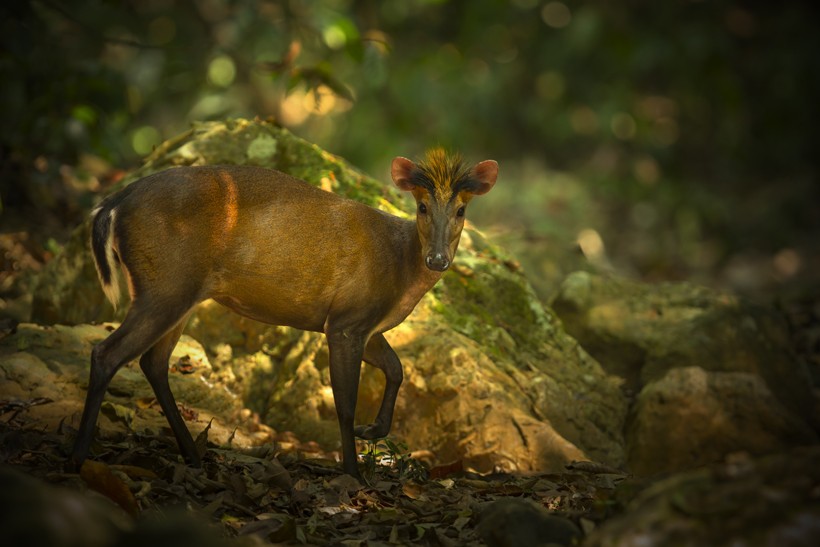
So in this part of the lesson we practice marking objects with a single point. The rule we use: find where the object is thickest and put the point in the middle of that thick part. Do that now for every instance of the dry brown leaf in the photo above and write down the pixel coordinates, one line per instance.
(345, 483)
(412, 490)
(135, 472)
(201, 440)
(442, 471)
(188, 414)
(275, 528)
(272, 473)
(99, 477)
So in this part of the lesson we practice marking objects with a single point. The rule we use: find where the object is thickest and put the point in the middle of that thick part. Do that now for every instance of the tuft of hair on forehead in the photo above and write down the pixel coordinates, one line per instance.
(443, 174)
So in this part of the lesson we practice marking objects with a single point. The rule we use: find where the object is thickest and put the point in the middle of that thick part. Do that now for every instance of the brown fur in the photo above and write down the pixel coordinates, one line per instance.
(275, 249)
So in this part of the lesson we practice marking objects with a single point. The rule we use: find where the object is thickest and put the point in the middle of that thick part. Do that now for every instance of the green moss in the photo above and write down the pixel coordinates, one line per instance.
(487, 301)
(263, 143)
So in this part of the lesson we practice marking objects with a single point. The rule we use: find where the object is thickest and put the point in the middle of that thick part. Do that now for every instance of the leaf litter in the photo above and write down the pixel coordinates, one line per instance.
(292, 493)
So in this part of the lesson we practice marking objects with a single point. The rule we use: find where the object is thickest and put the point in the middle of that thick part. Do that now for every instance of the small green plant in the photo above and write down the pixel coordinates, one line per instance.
(384, 453)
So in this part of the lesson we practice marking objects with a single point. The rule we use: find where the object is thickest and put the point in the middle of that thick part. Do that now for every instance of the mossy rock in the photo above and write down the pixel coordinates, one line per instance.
(712, 373)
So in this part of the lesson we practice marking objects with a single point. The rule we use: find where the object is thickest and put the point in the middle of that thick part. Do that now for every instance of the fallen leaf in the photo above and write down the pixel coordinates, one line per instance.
(213, 506)
(135, 472)
(412, 490)
(188, 414)
(460, 523)
(118, 413)
(99, 477)
(441, 471)
(201, 440)
(277, 475)
(345, 483)
(274, 527)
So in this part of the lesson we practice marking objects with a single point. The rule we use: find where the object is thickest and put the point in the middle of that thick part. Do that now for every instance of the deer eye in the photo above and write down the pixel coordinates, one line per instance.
(422, 208)
(460, 212)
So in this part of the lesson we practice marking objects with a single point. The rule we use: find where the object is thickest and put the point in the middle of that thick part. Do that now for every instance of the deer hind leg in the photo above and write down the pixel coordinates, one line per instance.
(143, 326)
(154, 364)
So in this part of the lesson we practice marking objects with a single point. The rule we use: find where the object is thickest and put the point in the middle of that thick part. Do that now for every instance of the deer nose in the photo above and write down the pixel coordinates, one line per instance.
(437, 262)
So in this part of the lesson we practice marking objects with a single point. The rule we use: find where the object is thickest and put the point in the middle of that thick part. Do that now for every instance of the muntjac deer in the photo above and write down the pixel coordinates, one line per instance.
(278, 250)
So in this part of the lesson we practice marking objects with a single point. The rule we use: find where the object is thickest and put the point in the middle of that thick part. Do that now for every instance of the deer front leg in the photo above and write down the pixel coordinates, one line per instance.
(346, 351)
(379, 354)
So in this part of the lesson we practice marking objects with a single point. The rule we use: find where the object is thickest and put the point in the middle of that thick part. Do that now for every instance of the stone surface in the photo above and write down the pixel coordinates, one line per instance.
(692, 416)
(711, 372)
(52, 362)
(520, 522)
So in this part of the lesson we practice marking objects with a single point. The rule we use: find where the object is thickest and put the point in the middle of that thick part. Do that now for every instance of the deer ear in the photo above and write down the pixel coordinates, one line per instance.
(401, 170)
(485, 173)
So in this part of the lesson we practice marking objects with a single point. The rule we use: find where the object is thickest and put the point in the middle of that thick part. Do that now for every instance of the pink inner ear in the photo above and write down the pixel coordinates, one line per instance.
(401, 169)
(487, 173)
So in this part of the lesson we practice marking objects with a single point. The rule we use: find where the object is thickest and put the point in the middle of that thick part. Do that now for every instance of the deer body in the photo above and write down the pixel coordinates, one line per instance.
(316, 269)
(275, 249)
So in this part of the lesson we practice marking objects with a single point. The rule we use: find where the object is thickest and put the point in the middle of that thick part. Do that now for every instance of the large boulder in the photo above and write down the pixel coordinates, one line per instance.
(45, 370)
(694, 416)
(712, 374)
(491, 376)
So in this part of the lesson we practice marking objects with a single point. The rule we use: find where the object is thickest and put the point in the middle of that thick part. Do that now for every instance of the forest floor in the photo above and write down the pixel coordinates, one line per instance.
(135, 491)
(293, 493)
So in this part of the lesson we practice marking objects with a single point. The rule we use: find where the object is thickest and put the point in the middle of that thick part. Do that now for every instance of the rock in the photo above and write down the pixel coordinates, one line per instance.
(178, 528)
(692, 416)
(52, 364)
(514, 522)
(492, 378)
(773, 501)
(34, 513)
(67, 290)
(712, 373)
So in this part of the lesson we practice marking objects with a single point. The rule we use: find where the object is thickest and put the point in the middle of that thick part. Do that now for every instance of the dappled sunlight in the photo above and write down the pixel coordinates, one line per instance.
(222, 71)
(656, 169)
(592, 245)
(302, 103)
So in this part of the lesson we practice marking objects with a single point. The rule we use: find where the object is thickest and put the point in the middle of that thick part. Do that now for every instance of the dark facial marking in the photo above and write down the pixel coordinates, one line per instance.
(443, 176)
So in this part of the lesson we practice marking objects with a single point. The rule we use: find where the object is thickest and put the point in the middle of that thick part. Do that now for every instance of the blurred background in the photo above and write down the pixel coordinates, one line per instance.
(659, 140)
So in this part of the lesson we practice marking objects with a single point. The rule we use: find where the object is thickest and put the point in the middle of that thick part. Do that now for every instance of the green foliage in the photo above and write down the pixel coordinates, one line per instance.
(116, 79)
(386, 454)
(703, 89)
(686, 118)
